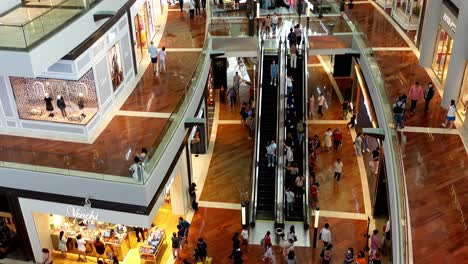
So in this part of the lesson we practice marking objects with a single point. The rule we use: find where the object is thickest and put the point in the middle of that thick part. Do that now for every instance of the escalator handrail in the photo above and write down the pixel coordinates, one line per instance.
(279, 179)
(305, 170)
(255, 156)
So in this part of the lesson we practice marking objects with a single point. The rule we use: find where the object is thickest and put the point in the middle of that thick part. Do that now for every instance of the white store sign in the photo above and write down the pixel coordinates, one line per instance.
(450, 23)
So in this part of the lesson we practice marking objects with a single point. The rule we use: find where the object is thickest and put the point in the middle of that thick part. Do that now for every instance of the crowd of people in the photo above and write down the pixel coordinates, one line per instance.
(379, 247)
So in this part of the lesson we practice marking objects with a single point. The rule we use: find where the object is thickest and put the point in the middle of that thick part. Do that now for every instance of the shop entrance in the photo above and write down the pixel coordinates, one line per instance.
(142, 30)
(442, 54)
(74, 235)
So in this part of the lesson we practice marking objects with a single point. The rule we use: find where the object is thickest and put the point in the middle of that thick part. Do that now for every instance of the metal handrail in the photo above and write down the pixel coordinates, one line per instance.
(255, 156)
(279, 179)
(305, 170)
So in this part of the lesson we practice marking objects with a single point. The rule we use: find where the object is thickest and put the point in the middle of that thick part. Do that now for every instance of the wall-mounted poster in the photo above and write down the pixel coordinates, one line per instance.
(115, 65)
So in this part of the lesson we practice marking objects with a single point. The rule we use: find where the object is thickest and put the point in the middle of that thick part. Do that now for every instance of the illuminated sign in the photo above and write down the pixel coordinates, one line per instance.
(84, 212)
(450, 23)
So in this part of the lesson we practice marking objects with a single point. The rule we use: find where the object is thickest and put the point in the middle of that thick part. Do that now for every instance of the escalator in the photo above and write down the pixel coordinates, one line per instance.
(300, 206)
(268, 131)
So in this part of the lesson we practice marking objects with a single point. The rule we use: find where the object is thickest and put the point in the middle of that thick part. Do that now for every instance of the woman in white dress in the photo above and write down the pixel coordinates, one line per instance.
(328, 139)
(62, 246)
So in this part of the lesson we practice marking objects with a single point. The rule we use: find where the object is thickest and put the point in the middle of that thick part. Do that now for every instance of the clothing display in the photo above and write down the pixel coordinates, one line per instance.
(36, 99)
(61, 105)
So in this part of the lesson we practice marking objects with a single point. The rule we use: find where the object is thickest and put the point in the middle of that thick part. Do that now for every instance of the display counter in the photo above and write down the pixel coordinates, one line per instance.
(116, 242)
(150, 249)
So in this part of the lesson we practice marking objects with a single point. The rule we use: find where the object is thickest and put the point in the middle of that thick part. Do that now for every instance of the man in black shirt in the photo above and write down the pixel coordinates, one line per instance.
(235, 244)
(375, 158)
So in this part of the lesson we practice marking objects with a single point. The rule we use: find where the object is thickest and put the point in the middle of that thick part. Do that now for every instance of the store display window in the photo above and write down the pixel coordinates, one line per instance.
(462, 106)
(115, 66)
(442, 54)
(56, 100)
(142, 30)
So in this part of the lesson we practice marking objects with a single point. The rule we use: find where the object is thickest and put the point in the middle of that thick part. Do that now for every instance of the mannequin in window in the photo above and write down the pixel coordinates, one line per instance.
(81, 104)
(61, 105)
(49, 106)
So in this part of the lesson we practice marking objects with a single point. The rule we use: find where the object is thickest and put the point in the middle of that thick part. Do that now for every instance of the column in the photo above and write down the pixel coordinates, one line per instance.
(429, 32)
(458, 59)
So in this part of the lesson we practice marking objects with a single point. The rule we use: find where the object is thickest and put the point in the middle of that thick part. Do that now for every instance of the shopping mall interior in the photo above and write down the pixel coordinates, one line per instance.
(221, 131)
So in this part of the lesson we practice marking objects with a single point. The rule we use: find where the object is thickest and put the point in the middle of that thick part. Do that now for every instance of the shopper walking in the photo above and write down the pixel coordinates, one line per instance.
(162, 60)
(175, 246)
(202, 249)
(232, 96)
(321, 101)
(350, 7)
(273, 73)
(191, 9)
(291, 258)
(292, 234)
(289, 84)
(193, 194)
(327, 254)
(268, 255)
(450, 115)
(375, 242)
(266, 240)
(375, 159)
(274, 22)
(62, 244)
(236, 82)
(415, 93)
(197, 8)
(235, 244)
(328, 139)
(271, 153)
(293, 55)
(361, 258)
(349, 256)
(298, 32)
(251, 122)
(358, 144)
(46, 256)
(181, 5)
(185, 225)
(338, 169)
(399, 111)
(325, 235)
(428, 95)
(100, 249)
(292, 37)
(337, 138)
(289, 201)
(267, 24)
(81, 246)
(352, 122)
(153, 51)
(345, 109)
(245, 235)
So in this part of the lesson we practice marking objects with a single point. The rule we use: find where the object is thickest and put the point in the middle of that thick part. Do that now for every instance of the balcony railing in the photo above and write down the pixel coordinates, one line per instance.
(50, 19)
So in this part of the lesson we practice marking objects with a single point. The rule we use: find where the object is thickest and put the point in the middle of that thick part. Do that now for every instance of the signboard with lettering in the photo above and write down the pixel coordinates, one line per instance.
(448, 21)
(82, 213)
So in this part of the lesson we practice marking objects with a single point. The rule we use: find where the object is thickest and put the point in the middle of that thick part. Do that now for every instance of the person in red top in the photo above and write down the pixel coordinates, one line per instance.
(251, 93)
(314, 194)
(267, 239)
(415, 93)
(337, 138)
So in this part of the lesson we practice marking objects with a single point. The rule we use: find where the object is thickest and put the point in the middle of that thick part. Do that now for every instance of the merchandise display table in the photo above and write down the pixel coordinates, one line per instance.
(151, 248)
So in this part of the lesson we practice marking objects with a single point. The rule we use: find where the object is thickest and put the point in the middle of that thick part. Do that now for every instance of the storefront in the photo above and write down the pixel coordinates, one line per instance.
(56, 100)
(406, 12)
(462, 105)
(142, 13)
(119, 231)
(444, 44)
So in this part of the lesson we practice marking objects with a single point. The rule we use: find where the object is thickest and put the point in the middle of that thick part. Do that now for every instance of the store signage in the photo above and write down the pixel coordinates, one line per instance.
(84, 212)
(450, 23)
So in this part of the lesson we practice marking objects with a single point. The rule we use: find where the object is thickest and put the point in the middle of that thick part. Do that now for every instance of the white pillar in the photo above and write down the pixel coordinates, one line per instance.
(458, 59)
(179, 189)
(429, 32)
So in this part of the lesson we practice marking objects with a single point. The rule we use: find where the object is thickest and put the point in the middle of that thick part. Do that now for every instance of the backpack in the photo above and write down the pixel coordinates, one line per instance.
(398, 109)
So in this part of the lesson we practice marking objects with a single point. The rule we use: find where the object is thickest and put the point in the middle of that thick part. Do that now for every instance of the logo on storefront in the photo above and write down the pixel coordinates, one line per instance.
(83, 213)
(449, 22)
